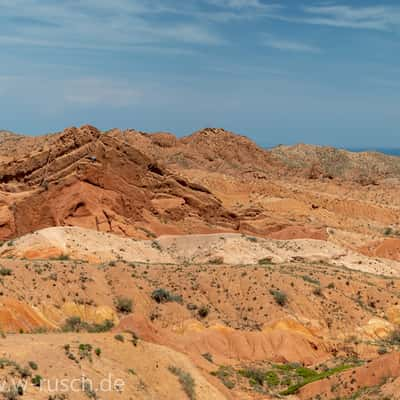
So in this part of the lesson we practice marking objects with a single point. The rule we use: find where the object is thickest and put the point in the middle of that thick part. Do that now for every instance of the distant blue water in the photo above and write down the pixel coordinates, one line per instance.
(391, 152)
(384, 150)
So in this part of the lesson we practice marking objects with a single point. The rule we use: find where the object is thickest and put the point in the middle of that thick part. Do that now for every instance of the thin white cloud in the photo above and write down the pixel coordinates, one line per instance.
(346, 16)
(229, 10)
(101, 24)
(290, 45)
(239, 4)
(147, 48)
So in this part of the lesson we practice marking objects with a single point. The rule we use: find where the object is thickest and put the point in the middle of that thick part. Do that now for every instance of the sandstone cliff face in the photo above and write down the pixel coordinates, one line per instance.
(276, 284)
(210, 149)
(144, 185)
(85, 178)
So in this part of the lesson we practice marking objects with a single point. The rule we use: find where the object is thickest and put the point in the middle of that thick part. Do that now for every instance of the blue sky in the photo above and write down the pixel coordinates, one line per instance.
(277, 71)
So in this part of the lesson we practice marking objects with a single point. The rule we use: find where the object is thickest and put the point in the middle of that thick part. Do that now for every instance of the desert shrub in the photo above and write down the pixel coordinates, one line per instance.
(388, 231)
(382, 350)
(24, 372)
(72, 324)
(331, 286)
(394, 337)
(62, 257)
(148, 233)
(228, 384)
(75, 324)
(271, 378)
(255, 376)
(156, 245)
(33, 365)
(224, 374)
(265, 261)
(119, 337)
(36, 380)
(134, 338)
(124, 305)
(309, 279)
(280, 297)
(89, 392)
(216, 261)
(309, 376)
(11, 393)
(317, 291)
(203, 312)
(105, 326)
(5, 271)
(208, 357)
(40, 329)
(164, 296)
(186, 380)
(53, 276)
(258, 377)
(97, 352)
(85, 351)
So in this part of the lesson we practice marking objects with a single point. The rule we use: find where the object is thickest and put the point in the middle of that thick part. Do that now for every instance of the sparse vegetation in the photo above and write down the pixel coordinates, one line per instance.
(317, 291)
(37, 380)
(33, 365)
(164, 296)
(119, 337)
(75, 324)
(258, 377)
(280, 297)
(265, 261)
(306, 376)
(134, 338)
(394, 337)
(309, 279)
(186, 380)
(225, 375)
(124, 305)
(208, 357)
(387, 231)
(85, 351)
(216, 261)
(12, 393)
(62, 257)
(89, 392)
(156, 245)
(382, 350)
(5, 271)
(203, 311)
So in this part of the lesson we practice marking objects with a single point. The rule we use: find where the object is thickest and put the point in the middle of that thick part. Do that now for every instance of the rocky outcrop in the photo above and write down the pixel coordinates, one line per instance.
(94, 180)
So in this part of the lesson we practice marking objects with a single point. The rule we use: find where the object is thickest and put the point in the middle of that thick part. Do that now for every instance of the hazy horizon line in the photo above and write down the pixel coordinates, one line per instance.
(368, 148)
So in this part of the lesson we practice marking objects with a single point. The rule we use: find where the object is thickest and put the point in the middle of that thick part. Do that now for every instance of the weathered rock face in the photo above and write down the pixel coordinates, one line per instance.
(85, 178)
(144, 185)
(211, 149)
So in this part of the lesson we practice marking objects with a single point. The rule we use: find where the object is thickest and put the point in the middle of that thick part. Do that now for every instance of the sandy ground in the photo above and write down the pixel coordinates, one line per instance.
(268, 257)
(135, 372)
(233, 249)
